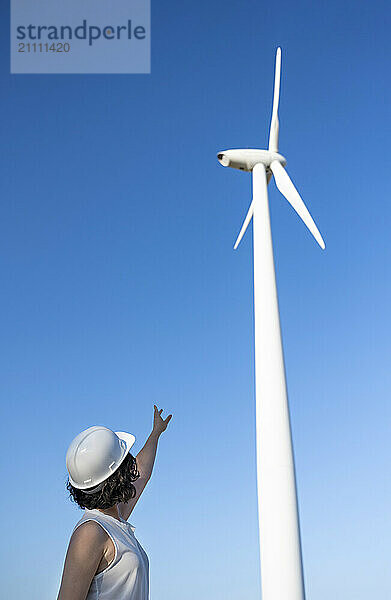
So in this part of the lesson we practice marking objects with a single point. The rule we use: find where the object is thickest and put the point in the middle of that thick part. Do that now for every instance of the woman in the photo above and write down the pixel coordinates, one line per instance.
(104, 559)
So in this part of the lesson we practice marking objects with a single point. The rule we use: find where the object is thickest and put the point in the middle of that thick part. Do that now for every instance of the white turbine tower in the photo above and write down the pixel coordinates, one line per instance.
(280, 547)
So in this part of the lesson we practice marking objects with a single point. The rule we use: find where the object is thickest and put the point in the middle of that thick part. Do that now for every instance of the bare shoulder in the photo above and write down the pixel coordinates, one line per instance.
(87, 552)
(88, 536)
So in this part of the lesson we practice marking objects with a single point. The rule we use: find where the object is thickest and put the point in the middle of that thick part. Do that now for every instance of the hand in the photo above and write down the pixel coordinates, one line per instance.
(159, 424)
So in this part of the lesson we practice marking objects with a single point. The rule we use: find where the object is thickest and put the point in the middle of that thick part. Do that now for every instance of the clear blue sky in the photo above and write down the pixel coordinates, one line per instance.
(120, 289)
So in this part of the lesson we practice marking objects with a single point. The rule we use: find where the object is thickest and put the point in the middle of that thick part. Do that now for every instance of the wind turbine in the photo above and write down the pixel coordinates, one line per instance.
(279, 531)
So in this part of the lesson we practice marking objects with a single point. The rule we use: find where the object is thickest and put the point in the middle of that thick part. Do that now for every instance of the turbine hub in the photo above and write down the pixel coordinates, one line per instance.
(246, 159)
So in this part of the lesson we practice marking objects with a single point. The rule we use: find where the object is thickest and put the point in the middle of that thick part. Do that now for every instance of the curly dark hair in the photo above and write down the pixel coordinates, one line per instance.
(117, 488)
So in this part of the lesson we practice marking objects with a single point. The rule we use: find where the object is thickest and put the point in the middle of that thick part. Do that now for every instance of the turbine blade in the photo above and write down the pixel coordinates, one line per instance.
(274, 125)
(287, 189)
(245, 224)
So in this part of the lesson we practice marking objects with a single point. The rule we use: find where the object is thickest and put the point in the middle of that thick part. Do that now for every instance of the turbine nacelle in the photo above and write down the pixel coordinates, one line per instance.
(247, 158)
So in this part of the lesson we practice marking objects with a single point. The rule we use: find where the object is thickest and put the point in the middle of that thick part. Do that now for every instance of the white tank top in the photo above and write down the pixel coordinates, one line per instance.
(127, 576)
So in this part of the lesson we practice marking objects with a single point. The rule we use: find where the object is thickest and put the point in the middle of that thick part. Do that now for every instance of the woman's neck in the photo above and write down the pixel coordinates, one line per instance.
(113, 511)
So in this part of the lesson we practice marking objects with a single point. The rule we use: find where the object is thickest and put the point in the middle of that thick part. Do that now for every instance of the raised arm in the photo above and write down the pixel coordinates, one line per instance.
(146, 459)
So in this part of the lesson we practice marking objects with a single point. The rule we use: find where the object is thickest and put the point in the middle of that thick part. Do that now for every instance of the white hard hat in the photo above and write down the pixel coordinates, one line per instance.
(95, 454)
